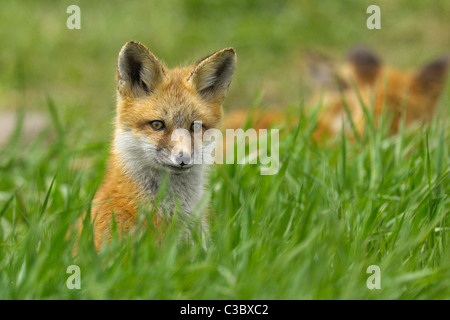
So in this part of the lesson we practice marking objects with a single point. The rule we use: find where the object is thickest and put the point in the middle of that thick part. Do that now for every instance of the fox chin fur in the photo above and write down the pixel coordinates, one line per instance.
(152, 102)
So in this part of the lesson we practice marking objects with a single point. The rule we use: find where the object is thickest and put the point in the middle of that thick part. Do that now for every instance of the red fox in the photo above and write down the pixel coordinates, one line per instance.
(362, 80)
(152, 102)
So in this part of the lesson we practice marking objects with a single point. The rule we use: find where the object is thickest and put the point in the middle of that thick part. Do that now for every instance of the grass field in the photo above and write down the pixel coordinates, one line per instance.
(308, 232)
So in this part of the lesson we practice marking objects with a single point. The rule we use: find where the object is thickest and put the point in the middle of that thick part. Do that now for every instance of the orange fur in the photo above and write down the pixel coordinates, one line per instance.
(377, 86)
(148, 91)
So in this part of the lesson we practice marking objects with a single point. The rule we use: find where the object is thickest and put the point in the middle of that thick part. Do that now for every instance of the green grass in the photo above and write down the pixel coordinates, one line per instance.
(311, 231)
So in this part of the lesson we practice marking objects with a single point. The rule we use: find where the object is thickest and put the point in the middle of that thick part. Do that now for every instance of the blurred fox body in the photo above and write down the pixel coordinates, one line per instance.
(362, 82)
(153, 102)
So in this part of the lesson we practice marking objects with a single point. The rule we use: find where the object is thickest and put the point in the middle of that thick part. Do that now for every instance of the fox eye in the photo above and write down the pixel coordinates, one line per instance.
(196, 127)
(157, 125)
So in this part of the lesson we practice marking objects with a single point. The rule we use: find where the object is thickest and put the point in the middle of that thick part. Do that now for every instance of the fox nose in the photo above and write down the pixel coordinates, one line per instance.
(183, 158)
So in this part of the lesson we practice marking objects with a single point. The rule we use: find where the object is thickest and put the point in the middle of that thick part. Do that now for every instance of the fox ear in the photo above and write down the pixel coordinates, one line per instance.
(366, 64)
(431, 78)
(212, 75)
(322, 71)
(138, 70)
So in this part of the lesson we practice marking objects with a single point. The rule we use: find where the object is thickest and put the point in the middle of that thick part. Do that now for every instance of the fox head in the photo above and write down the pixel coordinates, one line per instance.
(364, 79)
(154, 103)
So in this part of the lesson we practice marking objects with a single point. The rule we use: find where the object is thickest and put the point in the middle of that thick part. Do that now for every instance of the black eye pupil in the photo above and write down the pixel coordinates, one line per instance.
(157, 125)
(196, 127)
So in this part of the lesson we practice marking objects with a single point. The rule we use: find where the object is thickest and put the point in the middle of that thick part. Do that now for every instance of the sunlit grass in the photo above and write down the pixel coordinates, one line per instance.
(311, 231)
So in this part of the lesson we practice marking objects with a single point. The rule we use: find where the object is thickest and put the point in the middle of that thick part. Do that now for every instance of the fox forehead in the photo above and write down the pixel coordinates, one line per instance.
(174, 102)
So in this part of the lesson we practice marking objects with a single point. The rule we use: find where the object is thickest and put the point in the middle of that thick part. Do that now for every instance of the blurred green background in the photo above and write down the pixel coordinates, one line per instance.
(308, 232)
(41, 57)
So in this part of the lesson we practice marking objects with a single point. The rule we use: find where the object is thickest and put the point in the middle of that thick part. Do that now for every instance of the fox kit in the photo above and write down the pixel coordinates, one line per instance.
(363, 80)
(152, 102)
